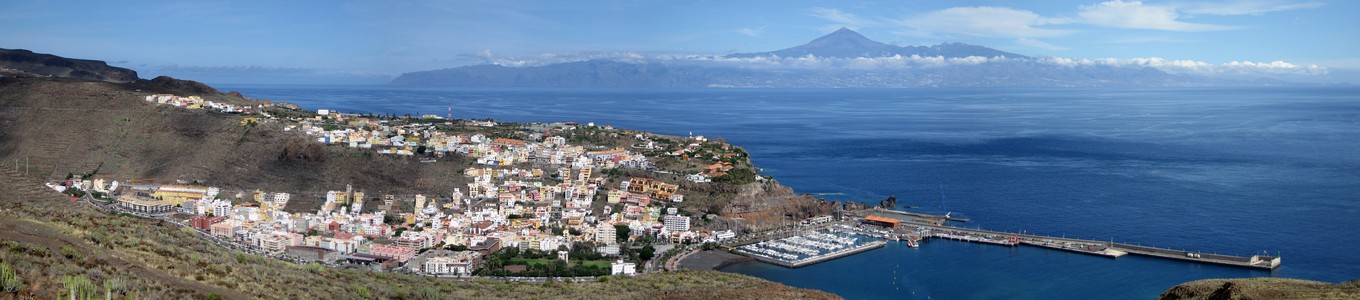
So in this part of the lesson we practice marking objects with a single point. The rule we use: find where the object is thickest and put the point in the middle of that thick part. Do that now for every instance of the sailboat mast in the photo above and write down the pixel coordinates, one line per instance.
(942, 204)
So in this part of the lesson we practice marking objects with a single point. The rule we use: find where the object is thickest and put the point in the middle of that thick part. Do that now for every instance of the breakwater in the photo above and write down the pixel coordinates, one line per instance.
(1092, 247)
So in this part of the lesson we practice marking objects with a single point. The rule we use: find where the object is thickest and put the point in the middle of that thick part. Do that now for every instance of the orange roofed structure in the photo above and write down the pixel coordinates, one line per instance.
(881, 221)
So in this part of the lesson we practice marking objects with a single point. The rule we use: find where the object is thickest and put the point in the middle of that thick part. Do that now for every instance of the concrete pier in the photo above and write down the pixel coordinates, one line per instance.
(938, 229)
(1107, 249)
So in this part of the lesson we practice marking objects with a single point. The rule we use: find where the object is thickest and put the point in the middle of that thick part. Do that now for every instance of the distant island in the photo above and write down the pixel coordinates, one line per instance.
(841, 59)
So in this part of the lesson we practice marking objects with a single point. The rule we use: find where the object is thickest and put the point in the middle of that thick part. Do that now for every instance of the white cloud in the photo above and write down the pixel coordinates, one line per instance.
(899, 62)
(985, 21)
(810, 62)
(484, 55)
(1136, 15)
(1194, 67)
(840, 18)
(752, 32)
(1033, 43)
(1247, 7)
(557, 58)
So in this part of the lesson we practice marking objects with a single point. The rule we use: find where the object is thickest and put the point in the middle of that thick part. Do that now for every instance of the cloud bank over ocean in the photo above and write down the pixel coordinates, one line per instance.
(1172, 66)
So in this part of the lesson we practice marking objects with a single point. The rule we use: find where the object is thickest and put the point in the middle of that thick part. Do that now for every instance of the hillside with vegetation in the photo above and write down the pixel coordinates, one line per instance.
(1262, 288)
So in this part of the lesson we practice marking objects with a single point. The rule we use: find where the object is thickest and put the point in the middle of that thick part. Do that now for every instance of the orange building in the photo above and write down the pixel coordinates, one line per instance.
(881, 221)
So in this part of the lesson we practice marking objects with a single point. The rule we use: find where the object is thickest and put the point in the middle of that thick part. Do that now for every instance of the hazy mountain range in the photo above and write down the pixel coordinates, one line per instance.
(843, 58)
(846, 43)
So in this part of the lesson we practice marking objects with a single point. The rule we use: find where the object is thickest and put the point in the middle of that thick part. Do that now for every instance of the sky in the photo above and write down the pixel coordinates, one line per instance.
(370, 42)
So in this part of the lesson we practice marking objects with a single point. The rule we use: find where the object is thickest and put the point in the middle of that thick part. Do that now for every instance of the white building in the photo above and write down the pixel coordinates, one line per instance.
(605, 234)
(724, 235)
(281, 199)
(453, 265)
(221, 208)
(548, 244)
(610, 249)
(676, 223)
(625, 268)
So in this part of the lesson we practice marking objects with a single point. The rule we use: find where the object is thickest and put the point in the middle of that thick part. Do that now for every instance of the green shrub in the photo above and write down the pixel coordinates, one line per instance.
(117, 285)
(68, 251)
(9, 280)
(79, 287)
(426, 293)
(361, 290)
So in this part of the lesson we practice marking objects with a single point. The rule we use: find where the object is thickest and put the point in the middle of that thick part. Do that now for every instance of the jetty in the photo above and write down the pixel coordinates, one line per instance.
(1092, 247)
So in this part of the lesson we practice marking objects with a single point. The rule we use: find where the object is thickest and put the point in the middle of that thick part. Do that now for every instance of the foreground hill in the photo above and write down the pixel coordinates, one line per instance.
(53, 126)
(1262, 288)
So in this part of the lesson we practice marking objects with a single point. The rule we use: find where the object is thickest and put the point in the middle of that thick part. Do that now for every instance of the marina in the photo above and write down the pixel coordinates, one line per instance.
(811, 247)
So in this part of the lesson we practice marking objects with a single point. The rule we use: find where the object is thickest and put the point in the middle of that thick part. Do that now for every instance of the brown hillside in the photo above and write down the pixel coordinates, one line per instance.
(1262, 288)
(20, 62)
(60, 126)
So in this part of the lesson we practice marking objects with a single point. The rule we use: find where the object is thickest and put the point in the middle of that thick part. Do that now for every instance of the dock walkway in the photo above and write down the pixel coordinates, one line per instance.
(1101, 248)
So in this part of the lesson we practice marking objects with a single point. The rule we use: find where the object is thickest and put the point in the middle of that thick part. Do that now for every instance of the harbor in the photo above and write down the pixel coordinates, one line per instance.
(873, 228)
(811, 247)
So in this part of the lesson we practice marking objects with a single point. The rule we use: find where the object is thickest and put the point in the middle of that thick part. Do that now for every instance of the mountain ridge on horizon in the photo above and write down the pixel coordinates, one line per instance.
(841, 59)
(847, 43)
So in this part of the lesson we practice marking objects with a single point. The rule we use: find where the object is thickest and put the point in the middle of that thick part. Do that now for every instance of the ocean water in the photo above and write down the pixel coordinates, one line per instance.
(1233, 171)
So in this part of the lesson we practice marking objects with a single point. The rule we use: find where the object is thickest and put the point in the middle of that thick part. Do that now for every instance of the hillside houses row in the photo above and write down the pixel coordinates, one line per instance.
(196, 102)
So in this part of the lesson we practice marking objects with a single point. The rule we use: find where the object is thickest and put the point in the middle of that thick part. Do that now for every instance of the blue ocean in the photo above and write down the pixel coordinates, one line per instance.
(1237, 171)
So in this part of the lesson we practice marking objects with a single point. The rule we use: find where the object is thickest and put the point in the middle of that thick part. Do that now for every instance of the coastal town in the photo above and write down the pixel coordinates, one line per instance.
(534, 204)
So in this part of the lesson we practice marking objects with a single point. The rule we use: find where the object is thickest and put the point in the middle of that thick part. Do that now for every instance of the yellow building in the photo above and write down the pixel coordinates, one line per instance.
(177, 194)
(654, 188)
(145, 206)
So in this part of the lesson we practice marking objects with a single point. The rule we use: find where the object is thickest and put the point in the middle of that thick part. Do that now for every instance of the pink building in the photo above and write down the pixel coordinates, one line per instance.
(398, 253)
